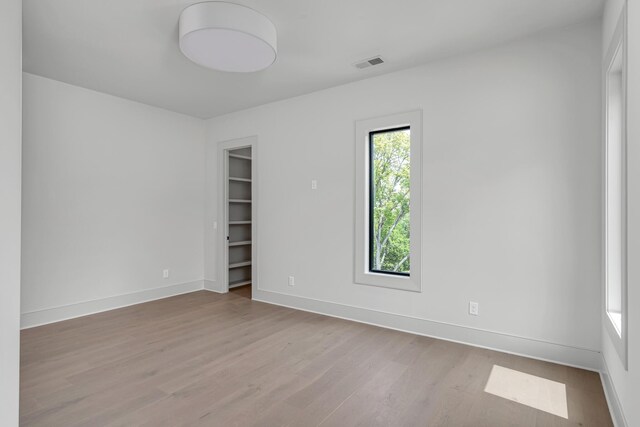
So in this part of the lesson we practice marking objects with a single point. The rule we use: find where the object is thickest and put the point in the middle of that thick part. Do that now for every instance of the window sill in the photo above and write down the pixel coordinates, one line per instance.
(391, 281)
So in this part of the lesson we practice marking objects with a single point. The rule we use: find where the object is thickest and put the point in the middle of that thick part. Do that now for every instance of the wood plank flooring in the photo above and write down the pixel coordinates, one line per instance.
(224, 360)
(242, 291)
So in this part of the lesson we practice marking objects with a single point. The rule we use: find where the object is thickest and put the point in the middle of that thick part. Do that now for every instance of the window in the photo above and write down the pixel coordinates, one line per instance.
(388, 201)
(615, 186)
(614, 194)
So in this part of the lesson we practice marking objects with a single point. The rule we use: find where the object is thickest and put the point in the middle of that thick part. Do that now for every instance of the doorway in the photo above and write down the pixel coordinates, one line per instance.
(239, 268)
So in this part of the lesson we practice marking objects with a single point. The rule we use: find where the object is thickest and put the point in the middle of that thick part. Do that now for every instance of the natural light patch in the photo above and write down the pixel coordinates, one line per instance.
(616, 319)
(530, 390)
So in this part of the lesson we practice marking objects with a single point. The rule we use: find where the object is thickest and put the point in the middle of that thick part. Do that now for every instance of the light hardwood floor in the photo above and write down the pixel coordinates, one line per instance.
(242, 291)
(224, 360)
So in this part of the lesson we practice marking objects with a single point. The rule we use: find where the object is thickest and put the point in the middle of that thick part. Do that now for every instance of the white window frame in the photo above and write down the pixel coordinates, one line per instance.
(618, 335)
(363, 276)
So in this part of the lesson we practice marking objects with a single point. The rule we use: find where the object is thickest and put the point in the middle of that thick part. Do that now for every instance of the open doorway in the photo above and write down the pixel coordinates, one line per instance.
(239, 268)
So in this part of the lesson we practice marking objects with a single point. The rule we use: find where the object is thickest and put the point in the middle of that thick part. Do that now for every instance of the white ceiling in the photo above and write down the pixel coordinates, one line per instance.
(129, 48)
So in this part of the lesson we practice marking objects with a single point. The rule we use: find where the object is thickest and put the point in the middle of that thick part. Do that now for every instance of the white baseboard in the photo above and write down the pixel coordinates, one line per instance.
(537, 349)
(56, 314)
(611, 395)
(521, 346)
(213, 286)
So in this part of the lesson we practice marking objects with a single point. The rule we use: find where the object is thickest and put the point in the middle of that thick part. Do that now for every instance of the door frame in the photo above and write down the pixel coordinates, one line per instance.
(223, 207)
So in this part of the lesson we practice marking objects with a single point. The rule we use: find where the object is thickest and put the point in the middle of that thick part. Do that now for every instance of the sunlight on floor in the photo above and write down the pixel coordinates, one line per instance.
(530, 390)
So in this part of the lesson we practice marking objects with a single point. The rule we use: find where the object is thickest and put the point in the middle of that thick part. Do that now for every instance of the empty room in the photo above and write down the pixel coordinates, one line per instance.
(320, 213)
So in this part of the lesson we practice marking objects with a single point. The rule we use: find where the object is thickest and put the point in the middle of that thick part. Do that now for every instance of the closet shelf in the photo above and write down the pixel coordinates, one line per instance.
(239, 208)
(238, 283)
(240, 264)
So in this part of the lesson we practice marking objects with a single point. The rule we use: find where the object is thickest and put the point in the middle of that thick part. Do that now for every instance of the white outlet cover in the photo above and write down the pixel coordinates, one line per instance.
(314, 184)
(292, 281)
(473, 308)
(165, 274)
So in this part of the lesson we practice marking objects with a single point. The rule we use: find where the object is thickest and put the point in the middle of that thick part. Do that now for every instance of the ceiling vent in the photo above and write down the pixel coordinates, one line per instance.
(376, 60)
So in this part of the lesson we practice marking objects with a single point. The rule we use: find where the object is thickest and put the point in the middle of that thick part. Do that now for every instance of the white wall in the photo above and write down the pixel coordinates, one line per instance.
(511, 197)
(626, 384)
(113, 194)
(10, 128)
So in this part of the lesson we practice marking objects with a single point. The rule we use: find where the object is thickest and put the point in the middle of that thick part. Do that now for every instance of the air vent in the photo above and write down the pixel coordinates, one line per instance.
(376, 60)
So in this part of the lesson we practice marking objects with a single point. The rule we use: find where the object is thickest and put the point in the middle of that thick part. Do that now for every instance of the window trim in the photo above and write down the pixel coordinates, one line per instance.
(618, 43)
(370, 159)
(362, 273)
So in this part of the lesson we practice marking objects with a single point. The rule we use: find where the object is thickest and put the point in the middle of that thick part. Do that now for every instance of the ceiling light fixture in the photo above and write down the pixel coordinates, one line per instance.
(227, 37)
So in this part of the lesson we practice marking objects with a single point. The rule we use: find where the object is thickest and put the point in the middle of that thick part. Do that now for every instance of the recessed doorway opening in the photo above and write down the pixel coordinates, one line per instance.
(239, 211)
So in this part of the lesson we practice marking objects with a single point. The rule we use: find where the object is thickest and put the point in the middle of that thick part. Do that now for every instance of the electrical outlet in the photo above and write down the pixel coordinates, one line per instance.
(314, 184)
(473, 308)
(292, 281)
(165, 274)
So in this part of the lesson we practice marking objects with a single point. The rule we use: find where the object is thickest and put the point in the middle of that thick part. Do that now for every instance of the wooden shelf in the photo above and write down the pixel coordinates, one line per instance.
(240, 264)
(238, 156)
(239, 283)
(239, 179)
(239, 222)
(242, 243)
(239, 201)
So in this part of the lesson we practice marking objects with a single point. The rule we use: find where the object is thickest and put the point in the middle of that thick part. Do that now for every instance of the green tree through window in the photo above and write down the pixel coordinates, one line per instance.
(389, 217)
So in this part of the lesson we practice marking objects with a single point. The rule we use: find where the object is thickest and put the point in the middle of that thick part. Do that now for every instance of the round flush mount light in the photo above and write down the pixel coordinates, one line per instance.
(227, 37)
